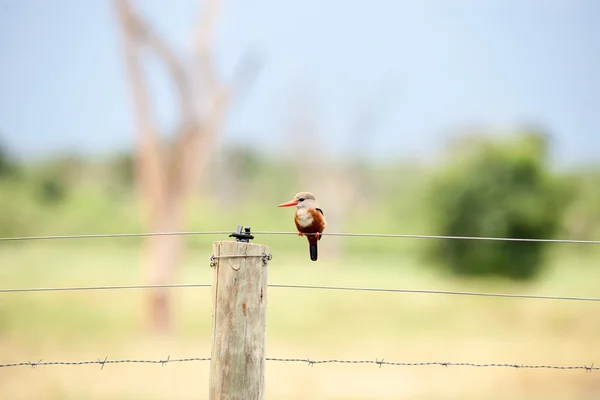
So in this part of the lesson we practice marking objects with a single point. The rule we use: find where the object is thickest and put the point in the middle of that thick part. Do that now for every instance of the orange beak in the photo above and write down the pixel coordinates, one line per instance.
(288, 204)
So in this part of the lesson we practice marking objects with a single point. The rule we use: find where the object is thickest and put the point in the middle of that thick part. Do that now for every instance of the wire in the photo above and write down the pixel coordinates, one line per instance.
(310, 363)
(447, 292)
(276, 285)
(101, 362)
(372, 235)
(411, 236)
(58, 289)
(440, 363)
(110, 235)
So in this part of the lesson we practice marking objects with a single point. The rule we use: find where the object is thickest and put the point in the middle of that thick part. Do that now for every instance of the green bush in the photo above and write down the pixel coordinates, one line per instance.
(497, 188)
(8, 166)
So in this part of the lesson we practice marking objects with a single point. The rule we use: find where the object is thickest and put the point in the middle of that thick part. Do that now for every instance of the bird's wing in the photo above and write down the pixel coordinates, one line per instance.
(321, 211)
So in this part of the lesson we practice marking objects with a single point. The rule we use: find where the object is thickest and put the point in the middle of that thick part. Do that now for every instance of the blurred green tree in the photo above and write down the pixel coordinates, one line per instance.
(122, 169)
(497, 188)
(582, 220)
(54, 178)
(8, 166)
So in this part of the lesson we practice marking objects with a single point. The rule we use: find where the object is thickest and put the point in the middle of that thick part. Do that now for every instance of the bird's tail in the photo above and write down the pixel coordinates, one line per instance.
(312, 245)
(313, 251)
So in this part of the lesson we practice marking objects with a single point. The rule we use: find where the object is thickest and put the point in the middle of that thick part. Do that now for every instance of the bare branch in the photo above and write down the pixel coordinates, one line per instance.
(196, 145)
(178, 72)
(203, 39)
(185, 148)
(149, 162)
(186, 142)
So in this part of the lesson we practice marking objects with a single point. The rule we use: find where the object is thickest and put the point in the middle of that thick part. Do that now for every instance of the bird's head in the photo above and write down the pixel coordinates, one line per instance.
(302, 200)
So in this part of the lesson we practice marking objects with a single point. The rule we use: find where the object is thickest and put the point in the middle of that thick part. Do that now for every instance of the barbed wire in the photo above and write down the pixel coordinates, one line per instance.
(310, 362)
(102, 362)
(290, 286)
(372, 235)
(439, 363)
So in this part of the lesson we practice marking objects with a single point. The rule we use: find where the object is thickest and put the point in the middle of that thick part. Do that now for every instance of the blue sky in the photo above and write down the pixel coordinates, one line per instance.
(438, 65)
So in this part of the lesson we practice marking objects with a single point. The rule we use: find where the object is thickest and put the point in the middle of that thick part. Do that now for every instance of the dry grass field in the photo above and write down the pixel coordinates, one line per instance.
(302, 323)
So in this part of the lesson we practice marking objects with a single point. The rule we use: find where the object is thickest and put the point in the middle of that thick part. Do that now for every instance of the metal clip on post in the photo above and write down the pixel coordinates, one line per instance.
(242, 234)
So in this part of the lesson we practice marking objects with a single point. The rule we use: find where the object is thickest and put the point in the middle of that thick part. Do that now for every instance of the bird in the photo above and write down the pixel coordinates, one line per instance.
(309, 219)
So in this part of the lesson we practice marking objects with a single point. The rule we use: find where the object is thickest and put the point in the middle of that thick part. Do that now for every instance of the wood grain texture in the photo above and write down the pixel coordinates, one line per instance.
(237, 367)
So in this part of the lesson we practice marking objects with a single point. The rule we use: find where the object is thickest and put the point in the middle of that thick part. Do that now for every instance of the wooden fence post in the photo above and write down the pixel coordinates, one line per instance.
(237, 366)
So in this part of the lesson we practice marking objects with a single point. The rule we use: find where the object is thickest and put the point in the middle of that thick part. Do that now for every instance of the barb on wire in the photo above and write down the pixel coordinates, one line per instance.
(288, 286)
(309, 362)
(372, 235)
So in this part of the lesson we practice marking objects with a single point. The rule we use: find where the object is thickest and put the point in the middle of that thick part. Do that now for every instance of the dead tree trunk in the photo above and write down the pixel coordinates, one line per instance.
(167, 172)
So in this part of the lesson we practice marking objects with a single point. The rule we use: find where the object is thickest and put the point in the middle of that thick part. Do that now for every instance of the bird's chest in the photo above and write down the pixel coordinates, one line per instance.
(304, 218)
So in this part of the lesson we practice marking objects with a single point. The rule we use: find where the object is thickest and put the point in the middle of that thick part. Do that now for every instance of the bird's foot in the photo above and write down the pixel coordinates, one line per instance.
(300, 234)
(317, 234)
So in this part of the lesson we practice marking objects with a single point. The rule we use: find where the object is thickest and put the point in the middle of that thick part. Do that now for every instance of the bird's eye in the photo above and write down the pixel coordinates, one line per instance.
(301, 200)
